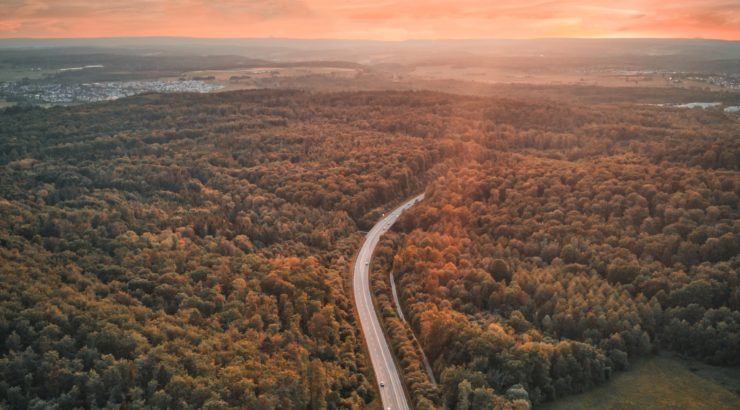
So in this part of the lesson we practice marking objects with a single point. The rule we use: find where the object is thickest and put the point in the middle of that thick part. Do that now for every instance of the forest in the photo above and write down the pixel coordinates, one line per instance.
(193, 251)
(577, 245)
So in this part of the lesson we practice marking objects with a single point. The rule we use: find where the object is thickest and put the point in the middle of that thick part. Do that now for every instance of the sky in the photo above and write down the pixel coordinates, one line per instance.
(375, 20)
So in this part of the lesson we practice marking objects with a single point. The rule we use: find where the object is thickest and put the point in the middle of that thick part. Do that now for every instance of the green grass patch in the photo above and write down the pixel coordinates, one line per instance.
(660, 382)
(17, 74)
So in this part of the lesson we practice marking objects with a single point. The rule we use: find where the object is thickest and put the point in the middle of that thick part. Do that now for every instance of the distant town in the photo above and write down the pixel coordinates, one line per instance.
(66, 94)
(728, 81)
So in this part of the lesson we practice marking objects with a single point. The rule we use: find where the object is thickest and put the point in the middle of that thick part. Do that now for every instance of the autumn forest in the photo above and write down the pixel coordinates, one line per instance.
(192, 251)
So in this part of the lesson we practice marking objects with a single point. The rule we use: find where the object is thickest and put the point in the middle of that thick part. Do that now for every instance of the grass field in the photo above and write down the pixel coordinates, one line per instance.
(16, 74)
(660, 383)
(4, 103)
(508, 76)
(268, 72)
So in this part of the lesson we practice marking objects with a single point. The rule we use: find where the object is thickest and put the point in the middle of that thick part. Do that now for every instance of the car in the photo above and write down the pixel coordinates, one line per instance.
(367, 263)
(382, 384)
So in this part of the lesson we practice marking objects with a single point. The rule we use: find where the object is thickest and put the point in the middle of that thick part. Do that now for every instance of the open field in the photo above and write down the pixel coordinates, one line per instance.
(661, 382)
(268, 72)
(270, 77)
(16, 74)
(493, 75)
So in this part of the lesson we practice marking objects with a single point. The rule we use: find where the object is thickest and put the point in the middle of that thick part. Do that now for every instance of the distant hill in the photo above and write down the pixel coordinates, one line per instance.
(689, 50)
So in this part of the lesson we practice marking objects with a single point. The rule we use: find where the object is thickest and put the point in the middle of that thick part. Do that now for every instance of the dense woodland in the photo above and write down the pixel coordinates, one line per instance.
(578, 245)
(191, 251)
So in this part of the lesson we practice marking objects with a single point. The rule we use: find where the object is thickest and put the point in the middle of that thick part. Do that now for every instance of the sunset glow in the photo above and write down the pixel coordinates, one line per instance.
(378, 20)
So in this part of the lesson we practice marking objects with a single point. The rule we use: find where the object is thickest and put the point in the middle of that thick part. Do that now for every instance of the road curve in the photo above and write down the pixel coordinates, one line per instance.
(391, 394)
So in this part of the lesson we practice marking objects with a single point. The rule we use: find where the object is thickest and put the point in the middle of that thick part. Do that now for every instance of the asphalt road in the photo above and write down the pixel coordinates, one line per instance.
(392, 394)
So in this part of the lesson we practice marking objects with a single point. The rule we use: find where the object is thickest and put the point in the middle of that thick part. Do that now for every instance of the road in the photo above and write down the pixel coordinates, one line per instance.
(391, 394)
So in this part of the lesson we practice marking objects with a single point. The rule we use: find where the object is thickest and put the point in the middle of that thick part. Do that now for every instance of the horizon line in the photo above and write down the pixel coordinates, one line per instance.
(142, 37)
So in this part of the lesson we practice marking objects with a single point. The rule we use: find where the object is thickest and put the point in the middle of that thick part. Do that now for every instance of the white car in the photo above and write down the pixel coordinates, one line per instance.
(382, 384)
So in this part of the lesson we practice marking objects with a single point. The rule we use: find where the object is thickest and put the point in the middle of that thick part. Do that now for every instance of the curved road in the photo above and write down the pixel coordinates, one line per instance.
(391, 394)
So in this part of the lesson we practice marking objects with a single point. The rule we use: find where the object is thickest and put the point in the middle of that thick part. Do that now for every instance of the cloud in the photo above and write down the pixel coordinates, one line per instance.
(382, 19)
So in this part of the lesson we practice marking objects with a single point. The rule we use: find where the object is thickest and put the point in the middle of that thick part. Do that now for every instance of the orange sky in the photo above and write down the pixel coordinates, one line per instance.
(378, 20)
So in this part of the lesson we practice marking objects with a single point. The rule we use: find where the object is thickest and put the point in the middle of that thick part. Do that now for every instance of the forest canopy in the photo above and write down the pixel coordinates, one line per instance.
(192, 251)
(572, 249)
